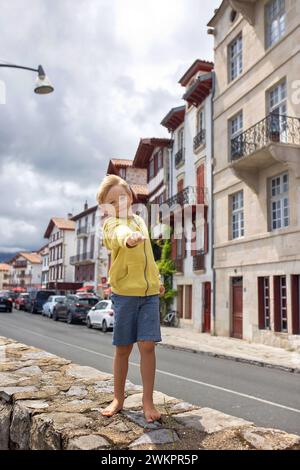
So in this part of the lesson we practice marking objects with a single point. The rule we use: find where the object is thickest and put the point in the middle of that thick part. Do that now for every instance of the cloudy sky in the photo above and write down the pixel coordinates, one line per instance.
(115, 66)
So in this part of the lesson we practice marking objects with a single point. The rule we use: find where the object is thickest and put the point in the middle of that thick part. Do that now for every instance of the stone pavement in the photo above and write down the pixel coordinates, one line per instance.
(49, 403)
(230, 348)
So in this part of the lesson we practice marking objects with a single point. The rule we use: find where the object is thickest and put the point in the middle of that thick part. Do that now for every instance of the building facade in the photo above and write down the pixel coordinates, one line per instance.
(61, 235)
(257, 170)
(90, 260)
(4, 275)
(190, 168)
(26, 270)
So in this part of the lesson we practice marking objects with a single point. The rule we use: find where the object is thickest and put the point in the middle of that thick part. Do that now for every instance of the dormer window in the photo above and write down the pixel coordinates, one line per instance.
(122, 173)
(233, 15)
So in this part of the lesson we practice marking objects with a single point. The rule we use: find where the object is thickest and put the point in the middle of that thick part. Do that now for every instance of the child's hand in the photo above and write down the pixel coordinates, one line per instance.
(135, 239)
(161, 290)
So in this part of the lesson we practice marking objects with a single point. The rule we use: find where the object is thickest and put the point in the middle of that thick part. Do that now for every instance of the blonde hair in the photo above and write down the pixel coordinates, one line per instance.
(107, 183)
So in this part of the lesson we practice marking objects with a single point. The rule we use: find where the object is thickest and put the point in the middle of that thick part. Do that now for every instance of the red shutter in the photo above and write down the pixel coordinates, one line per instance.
(155, 164)
(205, 237)
(173, 247)
(295, 305)
(261, 303)
(180, 185)
(277, 319)
(200, 184)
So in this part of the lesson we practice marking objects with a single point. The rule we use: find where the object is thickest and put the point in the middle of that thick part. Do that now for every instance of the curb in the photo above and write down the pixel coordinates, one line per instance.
(254, 362)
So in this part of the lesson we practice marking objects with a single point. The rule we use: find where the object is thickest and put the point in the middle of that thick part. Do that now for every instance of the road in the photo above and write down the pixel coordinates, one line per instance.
(267, 397)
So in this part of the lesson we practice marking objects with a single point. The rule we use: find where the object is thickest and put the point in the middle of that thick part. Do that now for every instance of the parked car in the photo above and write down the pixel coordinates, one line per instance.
(75, 308)
(51, 303)
(37, 298)
(6, 302)
(20, 301)
(101, 316)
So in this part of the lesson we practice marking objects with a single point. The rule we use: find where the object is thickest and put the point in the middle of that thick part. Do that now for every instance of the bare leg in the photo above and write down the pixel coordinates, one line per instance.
(122, 354)
(148, 364)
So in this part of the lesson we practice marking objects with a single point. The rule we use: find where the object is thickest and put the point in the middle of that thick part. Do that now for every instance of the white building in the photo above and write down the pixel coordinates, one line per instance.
(26, 270)
(190, 186)
(44, 252)
(90, 260)
(61, 235)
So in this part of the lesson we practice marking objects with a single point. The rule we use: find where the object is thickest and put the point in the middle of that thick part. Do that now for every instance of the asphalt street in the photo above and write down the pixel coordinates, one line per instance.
(268, 397)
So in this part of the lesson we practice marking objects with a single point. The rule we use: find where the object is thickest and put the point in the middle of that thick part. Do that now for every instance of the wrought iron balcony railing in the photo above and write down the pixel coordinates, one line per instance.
(273, 128)
(198, 261)
(88, 256)
(83, 231)
(189, 195)
(179, 265)
(199, 139)
(20, 264)
(179, 157)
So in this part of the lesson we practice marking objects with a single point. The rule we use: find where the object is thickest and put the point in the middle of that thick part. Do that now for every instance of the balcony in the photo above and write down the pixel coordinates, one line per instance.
(199, 261)
(82, 258)
(179, 265)
(199, 139)
(190, 195)
(20, 264)
(274, 139)
(83, 232)
(179, 158)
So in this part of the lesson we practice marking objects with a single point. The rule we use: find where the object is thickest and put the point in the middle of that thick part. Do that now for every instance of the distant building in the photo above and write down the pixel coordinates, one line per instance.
(26, 270)
(4, 274)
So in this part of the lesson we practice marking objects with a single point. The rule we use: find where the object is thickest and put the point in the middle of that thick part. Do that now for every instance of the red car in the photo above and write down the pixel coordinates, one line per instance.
(20, 301)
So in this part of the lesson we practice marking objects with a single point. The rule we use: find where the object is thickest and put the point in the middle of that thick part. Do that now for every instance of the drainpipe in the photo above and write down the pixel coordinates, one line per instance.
(212, 204)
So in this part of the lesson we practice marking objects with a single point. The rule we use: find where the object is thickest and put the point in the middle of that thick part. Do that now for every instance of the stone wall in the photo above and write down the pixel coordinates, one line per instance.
(49, 403)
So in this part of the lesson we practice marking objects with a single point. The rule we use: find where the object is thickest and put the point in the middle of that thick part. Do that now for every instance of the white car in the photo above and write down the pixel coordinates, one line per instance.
(50, 304)
(101, 316)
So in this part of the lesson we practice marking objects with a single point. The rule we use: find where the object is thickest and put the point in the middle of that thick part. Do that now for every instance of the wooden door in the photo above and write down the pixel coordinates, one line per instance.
(206, 307)
(237, 307)
(188, 302)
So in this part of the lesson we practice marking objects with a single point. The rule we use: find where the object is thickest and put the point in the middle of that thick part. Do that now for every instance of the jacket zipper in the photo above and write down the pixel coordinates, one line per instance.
(145, 268)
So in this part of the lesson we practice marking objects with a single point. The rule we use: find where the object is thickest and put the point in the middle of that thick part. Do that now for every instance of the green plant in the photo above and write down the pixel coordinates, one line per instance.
(166, 268)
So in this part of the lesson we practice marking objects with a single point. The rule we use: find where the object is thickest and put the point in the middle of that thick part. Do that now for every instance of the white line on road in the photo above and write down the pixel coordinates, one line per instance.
(169, 374)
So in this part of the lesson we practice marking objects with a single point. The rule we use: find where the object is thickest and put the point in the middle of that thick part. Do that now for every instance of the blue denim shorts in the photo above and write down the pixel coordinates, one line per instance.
(137, 318)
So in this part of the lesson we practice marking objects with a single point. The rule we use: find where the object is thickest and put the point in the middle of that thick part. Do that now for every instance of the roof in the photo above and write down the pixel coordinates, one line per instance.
(121, 162)
(4, 267)
(60, 223)
(32, 257)
(200, 90)
(140, 189)
(146, 148)
(197, 66)
(174, 118)
(90, 210)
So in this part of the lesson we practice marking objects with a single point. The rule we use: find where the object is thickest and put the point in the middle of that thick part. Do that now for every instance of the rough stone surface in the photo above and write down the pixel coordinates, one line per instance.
(48, 403)
(159, 436)
(209, 421)
(89, 442)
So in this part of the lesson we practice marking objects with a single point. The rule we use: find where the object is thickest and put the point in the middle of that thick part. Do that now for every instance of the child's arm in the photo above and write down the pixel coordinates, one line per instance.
(119, 236)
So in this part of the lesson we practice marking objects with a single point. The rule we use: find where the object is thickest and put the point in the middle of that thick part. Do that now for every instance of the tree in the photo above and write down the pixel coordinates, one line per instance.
(166, 268)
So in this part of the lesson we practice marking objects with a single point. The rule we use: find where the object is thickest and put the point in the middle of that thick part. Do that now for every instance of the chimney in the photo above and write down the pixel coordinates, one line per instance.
(70, 215)
(86, 206)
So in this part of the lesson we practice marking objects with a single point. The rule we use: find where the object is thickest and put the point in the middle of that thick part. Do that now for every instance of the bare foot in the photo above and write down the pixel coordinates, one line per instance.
(114, 408)
(151, 413)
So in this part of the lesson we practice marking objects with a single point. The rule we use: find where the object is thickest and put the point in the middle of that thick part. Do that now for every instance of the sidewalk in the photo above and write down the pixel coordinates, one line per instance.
(230, 348)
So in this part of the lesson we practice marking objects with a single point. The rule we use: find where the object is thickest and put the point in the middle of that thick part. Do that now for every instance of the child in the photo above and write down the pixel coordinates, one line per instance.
(135, 284)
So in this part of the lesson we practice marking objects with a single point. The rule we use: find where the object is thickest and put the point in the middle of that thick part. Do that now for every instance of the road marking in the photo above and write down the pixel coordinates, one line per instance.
(169, 374)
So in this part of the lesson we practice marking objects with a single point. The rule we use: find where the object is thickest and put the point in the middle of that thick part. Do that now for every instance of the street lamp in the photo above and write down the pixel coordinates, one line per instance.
(43, 85)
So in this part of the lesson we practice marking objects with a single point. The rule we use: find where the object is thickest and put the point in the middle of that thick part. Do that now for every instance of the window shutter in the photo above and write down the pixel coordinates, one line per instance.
(205, 237)
(277, 319)
(261, 310)
(200, 184)
(173, 247)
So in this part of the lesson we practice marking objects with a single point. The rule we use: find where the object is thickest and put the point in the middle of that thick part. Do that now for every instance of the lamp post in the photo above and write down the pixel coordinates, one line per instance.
(43, 85)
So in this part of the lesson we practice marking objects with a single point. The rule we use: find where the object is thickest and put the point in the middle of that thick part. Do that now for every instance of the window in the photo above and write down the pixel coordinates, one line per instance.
(151, 168)
(280, 304)
(237, 215)
(181, 139)
(122, 173)
(92, 246)
(200, 120)
(235, 52)
(264, 303)
(160, 160)
(93, 218)
(235, 132)
(280, 201)
(275, 21)
(277, 97)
